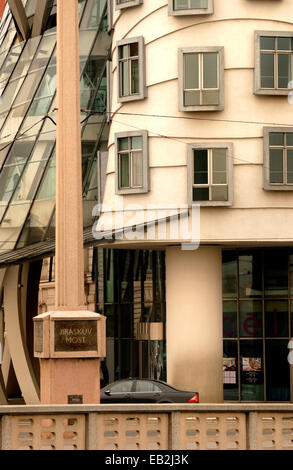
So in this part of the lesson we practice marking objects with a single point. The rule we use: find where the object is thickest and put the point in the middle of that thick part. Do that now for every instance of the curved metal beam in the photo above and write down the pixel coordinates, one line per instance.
(15, 335)
(3, 400)
(19, 18)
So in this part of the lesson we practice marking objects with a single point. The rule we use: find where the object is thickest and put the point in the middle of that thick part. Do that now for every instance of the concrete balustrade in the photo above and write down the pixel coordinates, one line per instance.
(147, 427)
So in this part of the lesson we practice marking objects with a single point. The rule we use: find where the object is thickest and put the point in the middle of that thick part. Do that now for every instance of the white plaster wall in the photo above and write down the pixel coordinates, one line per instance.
(256, 215)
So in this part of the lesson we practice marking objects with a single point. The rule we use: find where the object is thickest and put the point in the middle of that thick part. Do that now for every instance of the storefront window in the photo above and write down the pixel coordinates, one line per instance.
(130, 291)
(258, 324)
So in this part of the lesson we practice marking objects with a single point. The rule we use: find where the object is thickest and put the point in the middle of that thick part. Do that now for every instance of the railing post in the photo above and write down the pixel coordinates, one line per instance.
(174, 430)
(6, 432)
(91, 432)
(252, 430)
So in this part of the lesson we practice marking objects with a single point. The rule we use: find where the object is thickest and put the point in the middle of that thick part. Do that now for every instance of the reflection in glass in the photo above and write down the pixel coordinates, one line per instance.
(277, 371)
(276, 318)
(250, 274)
(252, 372)
(229, 269)
(276, 272)
(230, 370)
(230, 319)
(250, 318)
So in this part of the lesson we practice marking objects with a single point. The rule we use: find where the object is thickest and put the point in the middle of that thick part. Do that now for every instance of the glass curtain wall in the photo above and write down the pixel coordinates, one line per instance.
(257, 324)
(28, 122)
(131, 290)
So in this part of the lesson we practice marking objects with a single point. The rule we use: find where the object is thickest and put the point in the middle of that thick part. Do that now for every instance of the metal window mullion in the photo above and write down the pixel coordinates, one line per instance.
(238, 326)
(210, 172)
(200, 63)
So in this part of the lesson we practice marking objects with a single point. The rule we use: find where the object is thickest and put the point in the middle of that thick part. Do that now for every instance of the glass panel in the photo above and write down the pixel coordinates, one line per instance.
(284, 44)
(276, 273)
(125, 315)
(276, 166)
(289, 166)
(229, 272)
(30, 178)
(133, 48)
(9, 64)
(284, 70)
(180, 4)
(219, 193)
(124, 386)
(44, 52)
(48, 186)
(230, 370)
(123, 51)
(134, 77)
(250, 318)
(267, 70)
(124, 78)
(267, 43)
(251, 362)
(276, 318)
(146, 386)
(28, 88)
(191, 98)
(230, 319)
(191, 71)
(210, 98)
(277, 371)
(26, 58)
(136, 142)
(137, 169)
(219, 166)
(123, 143)
(289, 138)
(124, 171)
(200, 194)
(199, 3)
(250, 274)
(200, 166)
(276, 138)
(210, 70)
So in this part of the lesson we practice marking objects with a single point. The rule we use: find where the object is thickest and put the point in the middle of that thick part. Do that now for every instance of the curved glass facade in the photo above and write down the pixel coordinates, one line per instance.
(28, 121)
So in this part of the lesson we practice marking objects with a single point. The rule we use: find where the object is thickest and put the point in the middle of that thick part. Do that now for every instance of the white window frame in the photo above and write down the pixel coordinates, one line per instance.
(145, 163)
(258, 90)
(267, 185)
(229, 172)
(190, 11)
(220, 73)
(142, 93)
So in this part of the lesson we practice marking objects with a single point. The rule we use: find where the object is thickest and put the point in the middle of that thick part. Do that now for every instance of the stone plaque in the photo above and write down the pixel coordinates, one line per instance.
(39, 336)
(75, 335)
(75, 399)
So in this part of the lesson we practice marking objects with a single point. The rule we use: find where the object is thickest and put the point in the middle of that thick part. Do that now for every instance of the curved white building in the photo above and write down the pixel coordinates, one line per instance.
(200, 113)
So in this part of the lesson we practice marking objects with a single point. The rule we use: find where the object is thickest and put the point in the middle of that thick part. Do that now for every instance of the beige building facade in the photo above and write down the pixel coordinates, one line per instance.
(208, 83)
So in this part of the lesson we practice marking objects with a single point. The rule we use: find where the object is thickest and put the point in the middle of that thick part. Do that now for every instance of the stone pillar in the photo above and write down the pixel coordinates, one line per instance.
(194, 321)
(65, 340)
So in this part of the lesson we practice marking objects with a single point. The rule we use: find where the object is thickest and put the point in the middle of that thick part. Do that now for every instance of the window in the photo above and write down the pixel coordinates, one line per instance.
(127, 3)
(278, 158)
(210, 174)
(201, 79)
(132, 172)
(121, 387)
(191, 7)
(146, 386)
(257, 323)
(131, 70)
(273, 62)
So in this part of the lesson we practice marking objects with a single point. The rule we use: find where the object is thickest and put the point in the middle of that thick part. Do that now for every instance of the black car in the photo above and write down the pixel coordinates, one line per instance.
(145, 391)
